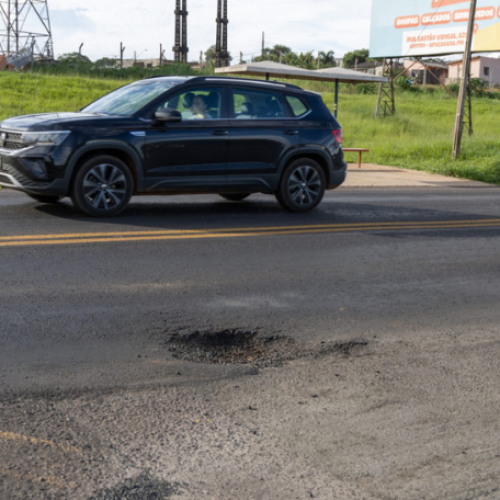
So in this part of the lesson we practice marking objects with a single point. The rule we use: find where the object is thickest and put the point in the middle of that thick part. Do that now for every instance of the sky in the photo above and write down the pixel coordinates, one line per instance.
(142, 25)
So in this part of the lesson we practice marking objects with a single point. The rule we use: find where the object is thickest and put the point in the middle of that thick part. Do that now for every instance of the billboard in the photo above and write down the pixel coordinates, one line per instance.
(409, 28)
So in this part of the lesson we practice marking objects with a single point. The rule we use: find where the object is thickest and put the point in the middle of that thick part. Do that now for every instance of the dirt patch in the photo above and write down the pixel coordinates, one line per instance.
(237, 346)
(142, 487)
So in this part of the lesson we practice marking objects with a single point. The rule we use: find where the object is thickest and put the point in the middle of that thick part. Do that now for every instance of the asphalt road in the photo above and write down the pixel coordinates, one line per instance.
(86, 306)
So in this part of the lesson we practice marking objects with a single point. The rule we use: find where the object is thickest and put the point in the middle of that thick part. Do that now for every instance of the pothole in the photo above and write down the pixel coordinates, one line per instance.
(238, 346)
(142, 487)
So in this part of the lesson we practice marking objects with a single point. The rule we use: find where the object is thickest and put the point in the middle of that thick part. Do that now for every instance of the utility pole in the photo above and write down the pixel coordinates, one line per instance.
(184, 48)
(162, 55)
(221, 53)
(464, 85)
(122, 50)
(224, 21)
(177, 42)
(263, 45)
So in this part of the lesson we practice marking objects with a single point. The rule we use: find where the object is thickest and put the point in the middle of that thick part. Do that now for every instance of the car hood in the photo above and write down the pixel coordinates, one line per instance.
(58, 121)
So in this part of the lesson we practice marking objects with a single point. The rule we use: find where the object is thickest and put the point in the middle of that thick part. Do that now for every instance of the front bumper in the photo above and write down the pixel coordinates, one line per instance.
(32, 171)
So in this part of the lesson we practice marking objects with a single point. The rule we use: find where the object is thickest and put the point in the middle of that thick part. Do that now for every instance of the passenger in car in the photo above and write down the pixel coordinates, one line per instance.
(246, 111)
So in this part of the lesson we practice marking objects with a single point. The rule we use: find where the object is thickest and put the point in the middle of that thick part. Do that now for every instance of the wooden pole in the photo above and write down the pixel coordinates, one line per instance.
(336, 108)
(459, 117)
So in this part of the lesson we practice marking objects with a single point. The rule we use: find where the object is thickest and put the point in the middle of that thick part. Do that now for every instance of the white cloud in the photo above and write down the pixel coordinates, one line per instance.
(143, 25)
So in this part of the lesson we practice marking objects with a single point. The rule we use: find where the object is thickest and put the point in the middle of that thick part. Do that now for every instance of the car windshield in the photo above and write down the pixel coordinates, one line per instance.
(129, 99)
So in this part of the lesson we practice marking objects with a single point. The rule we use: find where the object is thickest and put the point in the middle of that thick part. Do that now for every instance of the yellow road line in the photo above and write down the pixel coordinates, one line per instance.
(247, 229)
(122, 236)
(20, 438)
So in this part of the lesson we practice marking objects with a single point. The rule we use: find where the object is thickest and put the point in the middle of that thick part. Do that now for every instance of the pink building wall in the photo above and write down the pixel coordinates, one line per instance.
(487, 68)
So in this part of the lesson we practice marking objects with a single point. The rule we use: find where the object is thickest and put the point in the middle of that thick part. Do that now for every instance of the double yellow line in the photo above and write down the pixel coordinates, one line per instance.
(186, 234)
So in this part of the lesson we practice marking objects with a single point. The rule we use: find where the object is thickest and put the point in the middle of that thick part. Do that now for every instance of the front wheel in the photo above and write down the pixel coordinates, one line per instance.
(102, 186)
(235, 196)
(302, 186)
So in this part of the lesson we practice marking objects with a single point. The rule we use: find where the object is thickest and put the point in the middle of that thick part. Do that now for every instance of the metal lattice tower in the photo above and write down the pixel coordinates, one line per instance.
(221, 53)
(25, 28)
(181, 48)
(386, 99)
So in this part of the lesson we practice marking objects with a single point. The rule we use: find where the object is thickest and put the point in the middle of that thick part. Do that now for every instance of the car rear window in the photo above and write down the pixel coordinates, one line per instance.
(298, 106)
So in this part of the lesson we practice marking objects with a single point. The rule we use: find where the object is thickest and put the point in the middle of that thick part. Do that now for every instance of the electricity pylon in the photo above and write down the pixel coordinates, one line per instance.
(180, 48)
(25, 26)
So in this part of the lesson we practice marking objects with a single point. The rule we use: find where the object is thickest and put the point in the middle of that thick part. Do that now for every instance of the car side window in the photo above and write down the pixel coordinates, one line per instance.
(257, 105)
(198, 104)
(297, 105)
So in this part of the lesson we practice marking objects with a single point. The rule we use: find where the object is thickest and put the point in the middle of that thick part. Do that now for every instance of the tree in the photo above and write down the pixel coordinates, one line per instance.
(327, 59)
(210, 56)
(356, 57)
(306, 60)
(74, 58)
(277, 53)
(105, 62)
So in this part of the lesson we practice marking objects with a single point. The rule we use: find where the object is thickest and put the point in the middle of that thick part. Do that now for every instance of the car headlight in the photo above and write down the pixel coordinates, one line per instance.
(53, 138)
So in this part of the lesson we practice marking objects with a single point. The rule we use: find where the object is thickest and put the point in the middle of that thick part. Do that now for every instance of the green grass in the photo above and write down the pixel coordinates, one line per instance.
(419, 136)
(24, 93)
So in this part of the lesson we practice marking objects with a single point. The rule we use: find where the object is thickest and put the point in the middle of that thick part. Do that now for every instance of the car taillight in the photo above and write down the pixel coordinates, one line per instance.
(339, 135)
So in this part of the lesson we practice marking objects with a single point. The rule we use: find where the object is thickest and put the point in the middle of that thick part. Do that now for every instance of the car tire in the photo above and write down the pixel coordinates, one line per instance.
(302, 186)
(102, 187)
(45, 198)
(235, 196)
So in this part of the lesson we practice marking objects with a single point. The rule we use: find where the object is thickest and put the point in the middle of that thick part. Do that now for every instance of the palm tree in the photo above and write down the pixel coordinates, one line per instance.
(327, 59)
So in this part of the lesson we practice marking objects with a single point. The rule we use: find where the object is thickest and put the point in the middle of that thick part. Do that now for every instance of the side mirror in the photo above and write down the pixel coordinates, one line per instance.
(168, 115)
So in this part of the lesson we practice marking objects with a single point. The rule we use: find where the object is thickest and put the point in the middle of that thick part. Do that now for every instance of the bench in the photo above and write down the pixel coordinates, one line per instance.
(356, 150)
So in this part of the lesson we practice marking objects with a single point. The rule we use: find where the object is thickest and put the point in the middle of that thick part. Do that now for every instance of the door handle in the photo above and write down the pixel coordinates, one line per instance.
(291, 132)
(220, 132)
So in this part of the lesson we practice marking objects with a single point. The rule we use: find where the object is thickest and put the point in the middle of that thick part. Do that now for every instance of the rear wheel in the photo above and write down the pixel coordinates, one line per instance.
(45, 198)
(302, 186)
(102, 186)
(235, 196)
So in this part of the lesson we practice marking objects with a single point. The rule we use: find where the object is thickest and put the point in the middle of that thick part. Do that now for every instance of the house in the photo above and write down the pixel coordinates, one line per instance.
(426, 71)
(375, 68)
(487, 68)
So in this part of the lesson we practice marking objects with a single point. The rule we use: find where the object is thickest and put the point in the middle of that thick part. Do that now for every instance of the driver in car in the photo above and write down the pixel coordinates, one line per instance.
(199, 108)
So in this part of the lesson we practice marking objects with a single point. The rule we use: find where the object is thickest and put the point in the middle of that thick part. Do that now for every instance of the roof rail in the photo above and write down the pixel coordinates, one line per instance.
(252, 80)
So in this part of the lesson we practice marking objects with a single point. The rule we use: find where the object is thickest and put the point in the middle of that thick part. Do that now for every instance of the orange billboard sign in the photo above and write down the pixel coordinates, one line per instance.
(412, 28)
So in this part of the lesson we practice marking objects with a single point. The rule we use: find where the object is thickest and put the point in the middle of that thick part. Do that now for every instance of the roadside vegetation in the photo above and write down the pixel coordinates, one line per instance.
(418, 137)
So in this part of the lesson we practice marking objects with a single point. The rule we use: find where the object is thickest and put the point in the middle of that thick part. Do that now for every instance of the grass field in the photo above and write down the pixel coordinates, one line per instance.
(418, 137)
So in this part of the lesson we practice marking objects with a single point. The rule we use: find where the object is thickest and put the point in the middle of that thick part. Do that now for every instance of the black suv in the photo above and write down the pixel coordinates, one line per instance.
(174, 135)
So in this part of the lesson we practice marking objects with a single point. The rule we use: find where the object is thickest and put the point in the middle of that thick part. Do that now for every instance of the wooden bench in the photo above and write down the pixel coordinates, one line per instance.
(356, 150)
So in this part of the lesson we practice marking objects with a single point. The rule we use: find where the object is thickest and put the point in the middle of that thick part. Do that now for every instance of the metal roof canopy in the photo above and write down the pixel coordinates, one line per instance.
(278, 70)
